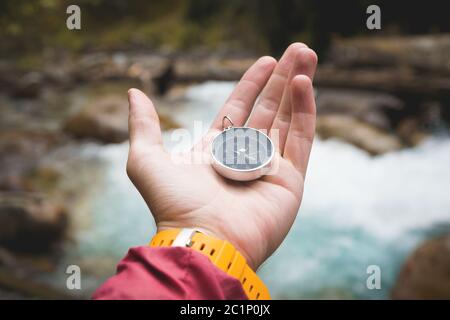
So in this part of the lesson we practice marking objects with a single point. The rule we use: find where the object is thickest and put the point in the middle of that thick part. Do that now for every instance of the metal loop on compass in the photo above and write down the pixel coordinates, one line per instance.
(229, 120)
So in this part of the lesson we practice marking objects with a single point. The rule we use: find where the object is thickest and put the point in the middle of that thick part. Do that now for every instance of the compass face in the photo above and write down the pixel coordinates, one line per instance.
(241, 148)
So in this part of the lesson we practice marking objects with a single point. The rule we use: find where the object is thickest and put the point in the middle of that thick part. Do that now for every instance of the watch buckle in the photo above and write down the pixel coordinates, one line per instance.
(184, 238)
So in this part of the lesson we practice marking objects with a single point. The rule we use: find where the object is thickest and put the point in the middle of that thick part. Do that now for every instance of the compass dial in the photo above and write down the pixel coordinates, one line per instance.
(242, 149)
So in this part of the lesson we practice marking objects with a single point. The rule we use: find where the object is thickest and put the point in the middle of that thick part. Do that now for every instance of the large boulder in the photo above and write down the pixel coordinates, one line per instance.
(422, 53)
(409, 65)
(20, 151)
(399, 81)
(426, 273)
(105, 119)
(358, 133)
(30, 222)
(367, 106)
(382, 111)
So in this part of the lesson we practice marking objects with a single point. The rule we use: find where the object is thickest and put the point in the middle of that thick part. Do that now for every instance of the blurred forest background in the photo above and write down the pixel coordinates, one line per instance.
(261, 26)
(383, 99)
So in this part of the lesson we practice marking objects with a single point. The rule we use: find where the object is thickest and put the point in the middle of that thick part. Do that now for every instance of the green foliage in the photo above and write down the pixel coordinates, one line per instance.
(258, 25)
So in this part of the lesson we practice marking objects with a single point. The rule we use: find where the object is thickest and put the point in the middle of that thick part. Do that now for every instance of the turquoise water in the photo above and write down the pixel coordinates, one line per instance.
(357, 210)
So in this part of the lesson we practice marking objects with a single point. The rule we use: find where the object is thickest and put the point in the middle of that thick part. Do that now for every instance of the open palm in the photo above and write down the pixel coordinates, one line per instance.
(254, 216)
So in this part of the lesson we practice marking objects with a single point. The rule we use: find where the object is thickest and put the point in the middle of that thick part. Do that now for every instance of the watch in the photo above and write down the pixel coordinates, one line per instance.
(220, 252)
(241, 153)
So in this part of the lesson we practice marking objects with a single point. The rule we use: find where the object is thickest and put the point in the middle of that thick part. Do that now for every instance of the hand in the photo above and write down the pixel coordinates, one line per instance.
(254, 216)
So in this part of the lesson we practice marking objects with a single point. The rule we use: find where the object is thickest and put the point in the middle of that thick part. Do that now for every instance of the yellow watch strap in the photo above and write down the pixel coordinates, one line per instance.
(222, 254)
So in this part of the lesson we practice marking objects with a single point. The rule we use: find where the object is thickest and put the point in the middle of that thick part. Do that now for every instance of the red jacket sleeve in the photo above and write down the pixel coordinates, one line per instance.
(169, 273)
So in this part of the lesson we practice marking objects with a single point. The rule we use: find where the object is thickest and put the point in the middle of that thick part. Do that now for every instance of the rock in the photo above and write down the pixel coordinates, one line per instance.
(426, 273)
(20, 151)
(422, 53)
(20, 83)
(28, 288)
(26, 276)
(30, 222)
(358, 133)
(417, 65)
(413, 70)
(398, 81)
(367, 106)
(411, 132)
(29, 85)
(380, 110)
(106, 120)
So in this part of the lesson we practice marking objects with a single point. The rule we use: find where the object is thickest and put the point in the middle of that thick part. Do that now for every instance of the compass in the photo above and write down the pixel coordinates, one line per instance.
(241, 153)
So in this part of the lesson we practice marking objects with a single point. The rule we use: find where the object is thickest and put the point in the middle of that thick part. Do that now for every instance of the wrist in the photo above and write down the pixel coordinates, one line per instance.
(221, 253)
(212, 233)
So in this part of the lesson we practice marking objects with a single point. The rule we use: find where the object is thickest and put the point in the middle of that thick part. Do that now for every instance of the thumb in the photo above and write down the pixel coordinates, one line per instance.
(143, 121)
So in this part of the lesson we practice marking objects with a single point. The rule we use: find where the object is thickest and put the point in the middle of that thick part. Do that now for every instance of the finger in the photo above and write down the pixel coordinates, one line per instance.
(143, 121)
(305, 63)
(301, 131)
(241, 100)
(266, 108)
